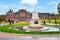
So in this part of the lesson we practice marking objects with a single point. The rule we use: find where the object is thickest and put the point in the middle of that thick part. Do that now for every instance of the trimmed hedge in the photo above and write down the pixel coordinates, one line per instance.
(6, 29)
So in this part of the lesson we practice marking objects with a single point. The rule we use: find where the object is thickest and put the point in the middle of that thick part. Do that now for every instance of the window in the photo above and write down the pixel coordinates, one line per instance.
(22, 14)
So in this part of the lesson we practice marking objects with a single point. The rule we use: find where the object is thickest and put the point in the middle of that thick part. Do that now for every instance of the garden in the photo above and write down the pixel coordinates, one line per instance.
(7, 29)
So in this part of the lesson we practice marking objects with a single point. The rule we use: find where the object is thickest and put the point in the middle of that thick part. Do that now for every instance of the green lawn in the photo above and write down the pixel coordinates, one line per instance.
(25, 23)
(6, 29)
(51, 20)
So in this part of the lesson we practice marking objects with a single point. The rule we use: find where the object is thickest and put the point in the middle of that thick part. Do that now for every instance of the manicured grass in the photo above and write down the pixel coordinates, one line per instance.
(51, 20)
(6, 29)
(22, 23)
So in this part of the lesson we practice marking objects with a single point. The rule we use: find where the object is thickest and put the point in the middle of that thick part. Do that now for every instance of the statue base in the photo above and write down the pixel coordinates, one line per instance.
(35, 27)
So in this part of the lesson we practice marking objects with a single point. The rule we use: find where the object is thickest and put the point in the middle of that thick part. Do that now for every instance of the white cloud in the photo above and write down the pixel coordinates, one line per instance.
(39, 7)
(54, 5)
(51, 3)
(29, 2)
(5, 7)
(2, 13)
(22, 7)
(53, 11)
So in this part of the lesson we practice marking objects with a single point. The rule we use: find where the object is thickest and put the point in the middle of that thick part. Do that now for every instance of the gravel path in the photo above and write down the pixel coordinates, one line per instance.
(8, 36)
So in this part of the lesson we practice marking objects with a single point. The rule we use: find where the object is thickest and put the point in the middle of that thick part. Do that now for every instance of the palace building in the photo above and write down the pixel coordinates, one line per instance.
(23, 15)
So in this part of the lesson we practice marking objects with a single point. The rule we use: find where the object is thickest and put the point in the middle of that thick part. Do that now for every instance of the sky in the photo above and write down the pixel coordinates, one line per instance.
(41, 6)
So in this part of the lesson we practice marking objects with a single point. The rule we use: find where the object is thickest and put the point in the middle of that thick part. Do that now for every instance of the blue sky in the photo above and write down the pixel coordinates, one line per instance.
(40, 5)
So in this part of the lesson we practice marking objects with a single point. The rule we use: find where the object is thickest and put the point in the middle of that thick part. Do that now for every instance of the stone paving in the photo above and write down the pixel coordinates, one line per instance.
(30, 38)
(7, 36)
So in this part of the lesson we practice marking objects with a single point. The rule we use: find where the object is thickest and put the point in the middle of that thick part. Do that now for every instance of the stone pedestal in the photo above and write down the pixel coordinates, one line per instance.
(35, 21)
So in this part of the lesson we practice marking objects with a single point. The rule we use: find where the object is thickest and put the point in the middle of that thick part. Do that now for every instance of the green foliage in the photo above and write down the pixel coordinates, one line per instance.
(51, 21)
(3, 18)
(6, 29)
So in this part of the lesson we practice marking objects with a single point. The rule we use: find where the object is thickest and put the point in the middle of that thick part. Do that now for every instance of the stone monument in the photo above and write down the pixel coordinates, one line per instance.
(35, 25)
(35, 21)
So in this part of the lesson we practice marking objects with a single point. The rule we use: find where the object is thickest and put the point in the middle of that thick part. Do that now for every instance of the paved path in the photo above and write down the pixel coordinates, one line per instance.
(7, 36)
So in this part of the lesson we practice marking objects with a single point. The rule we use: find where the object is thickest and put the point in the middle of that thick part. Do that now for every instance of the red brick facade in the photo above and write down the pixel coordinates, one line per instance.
(23, 15)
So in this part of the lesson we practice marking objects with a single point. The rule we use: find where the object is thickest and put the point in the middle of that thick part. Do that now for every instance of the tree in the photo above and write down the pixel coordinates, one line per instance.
(9, 21)
(44, 21)
(12, 21)
(0, 20)
(49, 20)
(58, 8)
(55, 18)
